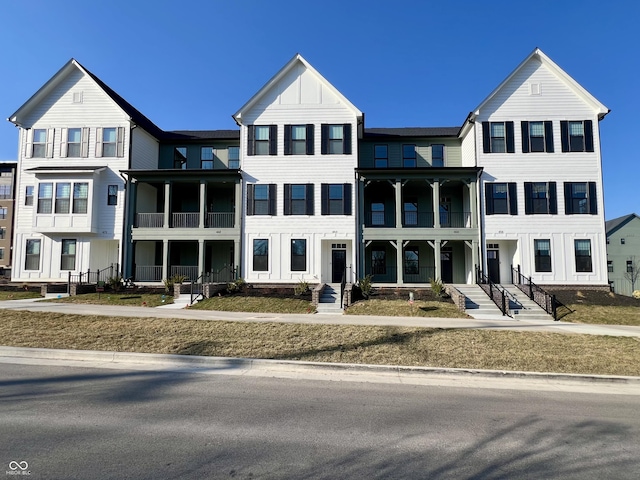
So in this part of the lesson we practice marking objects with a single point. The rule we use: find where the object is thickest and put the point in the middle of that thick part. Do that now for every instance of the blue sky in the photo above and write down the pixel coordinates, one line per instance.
(190, 64)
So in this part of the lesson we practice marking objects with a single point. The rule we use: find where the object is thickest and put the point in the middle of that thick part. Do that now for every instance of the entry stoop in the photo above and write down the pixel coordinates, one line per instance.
(524, 308)
(329, 302)
(478, 304)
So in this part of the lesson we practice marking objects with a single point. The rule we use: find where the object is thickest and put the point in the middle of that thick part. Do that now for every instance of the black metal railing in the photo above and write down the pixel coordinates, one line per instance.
(197, 289)
(544, 299)
(496, 293)
(94, 277)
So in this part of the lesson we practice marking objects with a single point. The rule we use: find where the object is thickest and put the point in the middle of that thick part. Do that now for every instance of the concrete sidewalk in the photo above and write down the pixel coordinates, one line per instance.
(498, 323)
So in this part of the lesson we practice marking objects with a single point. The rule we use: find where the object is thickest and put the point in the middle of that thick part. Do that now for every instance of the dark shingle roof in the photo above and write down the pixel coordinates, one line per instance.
(611, 226)
(203, 135)
(412, 132)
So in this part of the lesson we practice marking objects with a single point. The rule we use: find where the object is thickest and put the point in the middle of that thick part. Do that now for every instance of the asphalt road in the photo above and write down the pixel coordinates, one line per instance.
(72, 422)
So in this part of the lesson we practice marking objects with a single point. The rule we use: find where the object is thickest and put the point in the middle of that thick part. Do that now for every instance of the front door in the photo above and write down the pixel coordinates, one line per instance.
(493, 265)
(446, 265)
(338, 265)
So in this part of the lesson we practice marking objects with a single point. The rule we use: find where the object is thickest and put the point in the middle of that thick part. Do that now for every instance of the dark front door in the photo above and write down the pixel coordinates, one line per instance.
(446, 265)
(338, 265)
(493, 265)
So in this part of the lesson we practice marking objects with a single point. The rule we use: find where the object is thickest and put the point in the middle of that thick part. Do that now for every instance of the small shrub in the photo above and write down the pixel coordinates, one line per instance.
(115, 283)
(236, 286)
(301, 288)
(169, 282)
(437, 286)
(366, 286)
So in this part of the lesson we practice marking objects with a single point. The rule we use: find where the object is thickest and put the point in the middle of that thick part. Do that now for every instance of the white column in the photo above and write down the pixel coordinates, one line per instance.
(398, 187)
(203, 200)
(237, 257)
(165, 258)
(200, 257)
(167, 193)
(438, 260)
(399, 262)
(473, 186)
(238, 207)
(436, 208)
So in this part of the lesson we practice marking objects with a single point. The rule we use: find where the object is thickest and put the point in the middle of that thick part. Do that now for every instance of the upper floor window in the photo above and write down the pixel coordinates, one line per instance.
(497, 137)
(39, 143)
(577, 136)
(234, 157)
(298, 139)
(336, 139)
(112, 194)
(583, 255)
(501, 198)
(409, 156)
(537, 137)
(109, 142)
(3, 213)
(381, 156)
(261, 199)
(377, 213)
(540, 198)
(80, 197)
(298, 199)
(1, 253)
(180, 158)
(206, 158)
(5, 191)
(3, 233)
(32, 255)
(410, 212)
(45, 196)
(63, 197)
(580, 198)
(622, 241)
(262, 140)
(542, 250)
(437, 155)
(75, 142)
(336, 199)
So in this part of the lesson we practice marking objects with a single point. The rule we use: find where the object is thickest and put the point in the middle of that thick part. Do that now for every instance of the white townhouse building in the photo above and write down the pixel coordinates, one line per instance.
(299, 150)
(541, 194)
(75, 135)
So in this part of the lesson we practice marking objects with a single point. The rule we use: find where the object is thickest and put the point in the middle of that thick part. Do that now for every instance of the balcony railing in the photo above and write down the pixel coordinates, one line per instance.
(386, 274)
(419, 274)
(185, 220)
(149, 220)
(189, 271)
(220, 220)
(379, 219)
(148, 273)
(455, 219)
(417, 219)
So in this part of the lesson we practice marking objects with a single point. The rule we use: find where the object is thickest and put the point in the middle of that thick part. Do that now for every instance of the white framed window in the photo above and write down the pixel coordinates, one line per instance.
(336, 139)
(74, 142)
(45, 196)
(39, 143)
(32, 255)
(542, 250)
(68, 255)
(63, 197)
(28, 195)
(583, 255)
(109, 142)
(112, 194)
(298, 255)
(260, 255)
(262, 140)
(80, 197)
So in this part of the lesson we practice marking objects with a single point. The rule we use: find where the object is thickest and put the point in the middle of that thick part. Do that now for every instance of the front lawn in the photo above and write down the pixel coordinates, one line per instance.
(597, 307)
(402, 308)
(18, 294)
(255, 304)
(118, 298)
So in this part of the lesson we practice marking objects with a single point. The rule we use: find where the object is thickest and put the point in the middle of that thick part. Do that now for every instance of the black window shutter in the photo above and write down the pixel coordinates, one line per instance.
(310, 139)
(324, 133)
(525, 137)
(568, 204)
(272, 199)
(310, 199)
(548, 136)
(553, 198)
(488, 194)
(593, 199)
(564, 135)
(287, 197)
(346, 135)
(511, 146)
(513, 199)
(347, 198)
(250, 199)
(528, 198)
(325, 198)
(252, 135)
(588, 135)
(273, 139)
(287, 139)
(486, 138)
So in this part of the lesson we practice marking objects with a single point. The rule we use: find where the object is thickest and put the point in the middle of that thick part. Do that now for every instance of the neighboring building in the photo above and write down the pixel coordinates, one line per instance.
(7, 197)
(542, 199)
(299, 138)
(75, 136)
(623, 253)
(303, 191)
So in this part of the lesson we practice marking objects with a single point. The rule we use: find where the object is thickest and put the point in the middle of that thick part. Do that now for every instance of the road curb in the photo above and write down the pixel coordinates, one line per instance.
(241, 365)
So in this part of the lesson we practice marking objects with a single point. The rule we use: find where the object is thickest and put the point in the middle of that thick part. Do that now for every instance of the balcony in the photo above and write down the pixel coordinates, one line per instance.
(185, 220)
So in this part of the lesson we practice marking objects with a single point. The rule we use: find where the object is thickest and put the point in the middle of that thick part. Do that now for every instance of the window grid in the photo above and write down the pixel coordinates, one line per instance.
(381, 156)
(583, 255)
(68, 256)
(542, 249)
(39, 145)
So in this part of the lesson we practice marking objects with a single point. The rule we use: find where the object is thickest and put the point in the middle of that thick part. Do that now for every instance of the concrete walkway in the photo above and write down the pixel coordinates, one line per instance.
(497, 323)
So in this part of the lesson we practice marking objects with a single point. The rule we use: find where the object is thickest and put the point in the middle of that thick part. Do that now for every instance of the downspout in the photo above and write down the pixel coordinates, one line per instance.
(126, 224)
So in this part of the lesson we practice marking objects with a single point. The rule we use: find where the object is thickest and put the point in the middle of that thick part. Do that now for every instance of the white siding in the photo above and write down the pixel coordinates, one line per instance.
(145, 150)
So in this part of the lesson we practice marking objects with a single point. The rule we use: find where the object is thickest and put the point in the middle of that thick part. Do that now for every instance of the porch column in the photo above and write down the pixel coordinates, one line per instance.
(398, 187)
(359, 248)
(473, 203)
(203, 201)
(165, 259)
(200, 257)
(438, 261)
(399, 262)
(436, 209)
(238, 208)
(167, 193)
(474, 260)
(236, 256)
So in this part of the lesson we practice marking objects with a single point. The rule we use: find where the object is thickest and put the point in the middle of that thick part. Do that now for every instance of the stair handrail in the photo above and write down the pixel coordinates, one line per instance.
(501, 302)
(545, 300)
(196, 282)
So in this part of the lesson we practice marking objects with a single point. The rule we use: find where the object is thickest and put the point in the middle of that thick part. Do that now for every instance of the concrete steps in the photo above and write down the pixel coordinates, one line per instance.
(524, 308)
(478, 304)
(329, 302)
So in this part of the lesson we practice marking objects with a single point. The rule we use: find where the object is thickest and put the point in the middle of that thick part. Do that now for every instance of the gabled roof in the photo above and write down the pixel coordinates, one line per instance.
(297, 58)
(612, 226)
(411, 132)
(538, 55)
(134, 114)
